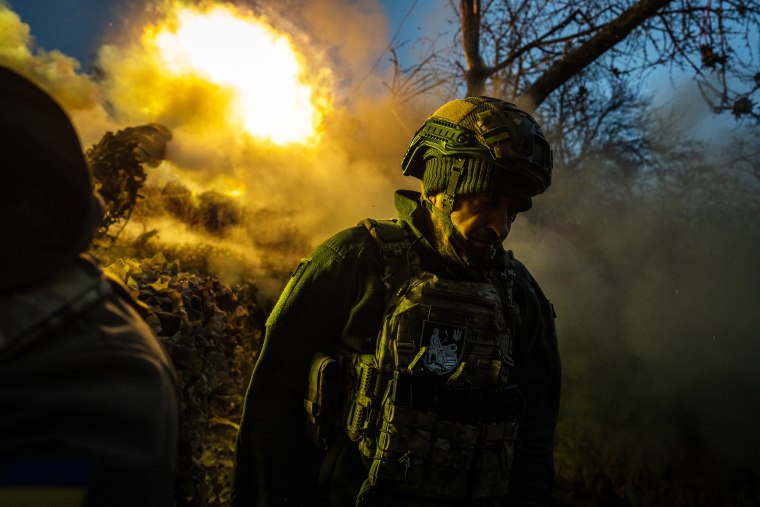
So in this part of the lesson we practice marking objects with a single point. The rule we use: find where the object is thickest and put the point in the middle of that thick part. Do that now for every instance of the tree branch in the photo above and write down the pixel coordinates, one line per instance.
(576, 60)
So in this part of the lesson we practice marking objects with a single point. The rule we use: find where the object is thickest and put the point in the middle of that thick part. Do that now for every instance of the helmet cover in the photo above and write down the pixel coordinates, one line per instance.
(503, 148)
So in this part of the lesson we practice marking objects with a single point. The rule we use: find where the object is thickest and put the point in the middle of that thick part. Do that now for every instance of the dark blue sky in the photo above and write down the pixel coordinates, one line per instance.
(75, 27)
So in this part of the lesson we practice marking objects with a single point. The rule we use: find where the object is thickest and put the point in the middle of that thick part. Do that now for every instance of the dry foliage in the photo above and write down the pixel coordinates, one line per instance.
(212, 333)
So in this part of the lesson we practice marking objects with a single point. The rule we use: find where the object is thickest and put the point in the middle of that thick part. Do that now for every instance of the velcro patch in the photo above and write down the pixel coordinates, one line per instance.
(454, 111)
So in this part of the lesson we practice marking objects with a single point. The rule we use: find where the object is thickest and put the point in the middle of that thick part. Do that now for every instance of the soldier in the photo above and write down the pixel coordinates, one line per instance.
(88, 399)
(420, 354)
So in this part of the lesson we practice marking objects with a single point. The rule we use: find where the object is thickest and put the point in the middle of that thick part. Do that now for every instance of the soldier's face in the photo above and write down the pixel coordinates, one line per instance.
(483, 220)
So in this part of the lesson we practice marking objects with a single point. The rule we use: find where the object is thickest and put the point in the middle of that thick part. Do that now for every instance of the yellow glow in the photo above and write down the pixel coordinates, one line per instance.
(242, 53)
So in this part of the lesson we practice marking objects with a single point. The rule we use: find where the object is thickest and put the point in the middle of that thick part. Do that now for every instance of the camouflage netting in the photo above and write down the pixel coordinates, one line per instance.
(117, 162)
(212, 332)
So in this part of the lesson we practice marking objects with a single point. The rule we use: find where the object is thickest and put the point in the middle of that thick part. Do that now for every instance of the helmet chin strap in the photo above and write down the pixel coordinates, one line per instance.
(451, 188)
(444, 213)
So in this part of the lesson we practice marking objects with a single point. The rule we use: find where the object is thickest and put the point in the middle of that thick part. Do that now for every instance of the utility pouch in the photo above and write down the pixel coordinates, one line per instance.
(437, 324)
(425, 452)
(321, 400)
(365, 400)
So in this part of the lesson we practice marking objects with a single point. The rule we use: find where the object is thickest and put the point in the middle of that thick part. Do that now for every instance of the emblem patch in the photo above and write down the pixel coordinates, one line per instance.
(445, 344)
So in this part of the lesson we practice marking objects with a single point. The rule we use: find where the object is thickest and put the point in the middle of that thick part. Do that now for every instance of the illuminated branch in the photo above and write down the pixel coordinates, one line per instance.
(579, 58)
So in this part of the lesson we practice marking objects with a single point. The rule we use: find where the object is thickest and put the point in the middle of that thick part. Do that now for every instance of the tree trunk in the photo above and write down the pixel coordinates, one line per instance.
(576, 60)
(476, 69)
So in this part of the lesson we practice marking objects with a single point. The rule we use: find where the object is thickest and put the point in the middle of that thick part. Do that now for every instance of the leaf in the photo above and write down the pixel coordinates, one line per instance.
(161, 284)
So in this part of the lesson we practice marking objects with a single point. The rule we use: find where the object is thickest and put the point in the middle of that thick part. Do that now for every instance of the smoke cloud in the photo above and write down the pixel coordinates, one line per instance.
(656, 296)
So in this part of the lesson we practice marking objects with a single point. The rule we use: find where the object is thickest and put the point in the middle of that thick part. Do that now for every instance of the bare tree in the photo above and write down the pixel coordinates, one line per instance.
(524, 51)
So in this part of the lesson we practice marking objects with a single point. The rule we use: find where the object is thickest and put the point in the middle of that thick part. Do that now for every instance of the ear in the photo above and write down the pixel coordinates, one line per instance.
(429, 197)
(437, 200)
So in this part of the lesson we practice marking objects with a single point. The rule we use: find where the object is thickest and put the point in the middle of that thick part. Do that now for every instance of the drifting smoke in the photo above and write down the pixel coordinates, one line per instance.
(657, 300)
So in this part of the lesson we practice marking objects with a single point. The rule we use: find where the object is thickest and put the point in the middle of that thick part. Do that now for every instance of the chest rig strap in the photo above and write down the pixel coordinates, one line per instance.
(400, 261)
(504, 282)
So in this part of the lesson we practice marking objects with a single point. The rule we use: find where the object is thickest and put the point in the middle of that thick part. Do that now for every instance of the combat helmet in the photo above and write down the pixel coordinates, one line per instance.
(480, 145)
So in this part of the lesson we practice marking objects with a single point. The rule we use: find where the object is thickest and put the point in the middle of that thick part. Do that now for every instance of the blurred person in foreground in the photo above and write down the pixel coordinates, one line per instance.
(88, 397)
(414, 362)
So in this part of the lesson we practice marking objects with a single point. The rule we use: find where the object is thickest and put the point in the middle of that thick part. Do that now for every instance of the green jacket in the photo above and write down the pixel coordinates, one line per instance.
(335, 301)
(87, 395)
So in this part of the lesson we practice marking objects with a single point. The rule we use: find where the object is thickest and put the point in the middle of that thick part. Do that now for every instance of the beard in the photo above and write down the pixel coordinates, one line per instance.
(454, 246)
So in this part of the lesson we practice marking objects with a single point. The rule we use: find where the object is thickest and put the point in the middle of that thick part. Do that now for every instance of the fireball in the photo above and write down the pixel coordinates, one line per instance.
(261, 69)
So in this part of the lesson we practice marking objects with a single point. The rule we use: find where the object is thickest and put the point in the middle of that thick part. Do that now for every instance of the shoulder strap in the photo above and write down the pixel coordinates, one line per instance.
(27, 315)
(400, 260)
(513, 312)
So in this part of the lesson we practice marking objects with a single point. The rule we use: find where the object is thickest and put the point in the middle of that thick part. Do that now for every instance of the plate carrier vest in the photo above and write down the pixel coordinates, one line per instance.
(431, 408)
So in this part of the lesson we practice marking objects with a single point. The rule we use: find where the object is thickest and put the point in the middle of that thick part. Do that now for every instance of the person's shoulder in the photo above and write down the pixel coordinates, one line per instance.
(521, 270)
(87, 318)
(117, 319)
(350, 242)
(36, 309)
(525, 279)
(522, 273)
